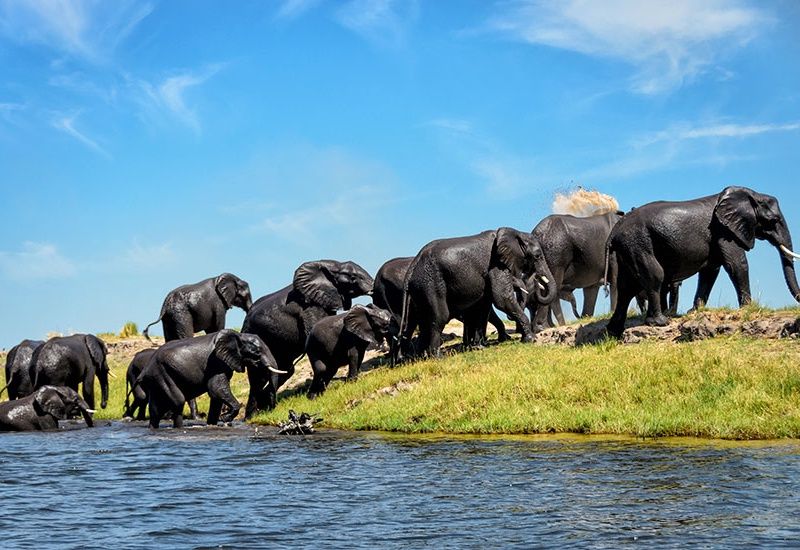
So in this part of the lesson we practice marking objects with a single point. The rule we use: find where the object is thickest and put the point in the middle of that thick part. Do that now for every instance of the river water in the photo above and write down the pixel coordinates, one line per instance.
(120, 486)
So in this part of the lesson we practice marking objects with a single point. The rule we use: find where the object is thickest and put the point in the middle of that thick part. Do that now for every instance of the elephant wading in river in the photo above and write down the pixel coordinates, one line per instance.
(18, 365)
(665, 242)
(137, 408)
(574, 248)
(185, 369)
(70, 361)
(43, 409)
(465, 276)
(388, 294)
(201, 306)
(342, 340)
(284, 319)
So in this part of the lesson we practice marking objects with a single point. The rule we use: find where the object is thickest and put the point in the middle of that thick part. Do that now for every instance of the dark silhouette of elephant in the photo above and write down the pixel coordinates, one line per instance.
(71, 361)
(185, 369)
(343, 339)
(466, 276)
(201, 306)
(284, 319)
(662, 242)
(18, 365)
(138, 407)
(43, 409)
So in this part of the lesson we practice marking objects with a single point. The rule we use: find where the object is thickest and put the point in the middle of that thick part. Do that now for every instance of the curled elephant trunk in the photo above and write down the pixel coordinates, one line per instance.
(783, 242)
(102, 376)
(544, 287)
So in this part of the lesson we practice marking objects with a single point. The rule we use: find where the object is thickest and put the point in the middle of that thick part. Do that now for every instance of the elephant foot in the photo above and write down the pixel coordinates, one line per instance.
(230, 416)
(504, 337)
(527, 338)
(657, 321)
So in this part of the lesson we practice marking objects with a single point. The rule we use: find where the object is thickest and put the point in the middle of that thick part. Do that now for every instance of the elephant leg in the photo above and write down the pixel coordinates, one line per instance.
(219, 388)
(432, 316)
(193, 409)
(626, 290)
(178, 325)
(177, 417)
(214, 409)
(735, 264)
(705, 282)
(505, 299)
(318, 383)
(155, 414)
(499, 325)
(653, 278)
(475, 320)
(590, 300)
(540, 315)
(88, 390)
(559, 314)
(674, 295)
(354, 359)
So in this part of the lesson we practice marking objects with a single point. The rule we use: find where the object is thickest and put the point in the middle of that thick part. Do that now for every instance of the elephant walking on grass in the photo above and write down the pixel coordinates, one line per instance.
(663, 242)
(71, 361)
(43, 409)
(465, 276)
(342, 340)
(283, 320)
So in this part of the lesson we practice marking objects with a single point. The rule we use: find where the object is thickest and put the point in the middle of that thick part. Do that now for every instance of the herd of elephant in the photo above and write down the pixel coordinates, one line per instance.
(643, 254)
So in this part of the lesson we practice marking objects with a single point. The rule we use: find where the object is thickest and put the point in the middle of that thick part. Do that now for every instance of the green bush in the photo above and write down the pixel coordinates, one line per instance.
(129, 329)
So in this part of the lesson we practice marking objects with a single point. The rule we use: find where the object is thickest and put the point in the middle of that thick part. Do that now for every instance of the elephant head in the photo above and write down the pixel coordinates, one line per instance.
(521, 254)
(61, 403)
(331, 285)
(748, 216)
(98, 352)
(370, 323)
(233, 291)
(240, 352)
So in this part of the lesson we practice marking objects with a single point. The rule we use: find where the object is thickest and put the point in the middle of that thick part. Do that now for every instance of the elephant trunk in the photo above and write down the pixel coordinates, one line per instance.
(102, 376)
(544, 287)
(784, 245)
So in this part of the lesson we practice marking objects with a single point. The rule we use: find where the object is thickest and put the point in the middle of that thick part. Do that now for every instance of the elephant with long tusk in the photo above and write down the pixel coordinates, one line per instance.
(663, 242)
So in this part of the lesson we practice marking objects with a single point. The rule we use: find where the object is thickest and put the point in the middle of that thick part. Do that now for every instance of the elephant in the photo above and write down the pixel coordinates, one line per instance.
(465, 276)
(72, 360)
(284, 318)
(138, 408)
(343, 339)
(43, 409)
(18, 364)
(670, 294)
(201, 306)
(387, 293)
(185, 369)
(574, 248)
(662, 242)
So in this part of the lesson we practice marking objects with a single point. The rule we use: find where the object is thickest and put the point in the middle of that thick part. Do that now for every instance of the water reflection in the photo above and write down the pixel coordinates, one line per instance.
(241, 487)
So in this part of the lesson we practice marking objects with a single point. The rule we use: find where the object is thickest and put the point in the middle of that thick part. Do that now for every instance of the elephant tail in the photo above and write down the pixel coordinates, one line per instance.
(146, 330)
(607, 263)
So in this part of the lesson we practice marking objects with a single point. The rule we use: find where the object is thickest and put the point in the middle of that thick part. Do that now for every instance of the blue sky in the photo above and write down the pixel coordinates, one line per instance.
(144, 145)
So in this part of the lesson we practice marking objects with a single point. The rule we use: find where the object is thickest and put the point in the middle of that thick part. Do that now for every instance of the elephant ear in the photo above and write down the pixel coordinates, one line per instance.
(227, 349)
(49, 401)
(356, 322)
(97, 349)
(226, 288)
(511, 250)
(314, 281)
(736, 211)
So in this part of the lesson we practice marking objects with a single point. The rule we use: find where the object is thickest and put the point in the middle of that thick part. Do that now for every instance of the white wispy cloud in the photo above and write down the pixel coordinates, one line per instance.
(667, 42)
(681, 132)
(66, 124)
(290, 9)
(170, 94)
(89, 29)
(149, 255)
(36, 261)
(384, 22)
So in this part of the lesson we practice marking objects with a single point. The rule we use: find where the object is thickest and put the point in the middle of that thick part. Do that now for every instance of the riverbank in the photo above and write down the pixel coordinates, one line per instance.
(731, 374)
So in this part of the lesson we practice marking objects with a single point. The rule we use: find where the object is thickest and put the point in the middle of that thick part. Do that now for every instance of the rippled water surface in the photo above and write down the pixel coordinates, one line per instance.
(120, 486)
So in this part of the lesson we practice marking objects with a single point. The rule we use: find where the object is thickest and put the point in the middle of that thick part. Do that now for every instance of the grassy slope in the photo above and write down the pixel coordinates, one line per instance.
(725, 388)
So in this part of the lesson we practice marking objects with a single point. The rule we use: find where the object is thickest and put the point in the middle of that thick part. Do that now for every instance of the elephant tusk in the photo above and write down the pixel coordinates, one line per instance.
(523, 290)
(544, 279)
(278, 371)
(541, 286)
(111, 374)
(265, 386)
(789, 252)
(91, 411)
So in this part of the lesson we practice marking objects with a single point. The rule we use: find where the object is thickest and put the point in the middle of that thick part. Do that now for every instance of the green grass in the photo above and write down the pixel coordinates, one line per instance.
(732, 388)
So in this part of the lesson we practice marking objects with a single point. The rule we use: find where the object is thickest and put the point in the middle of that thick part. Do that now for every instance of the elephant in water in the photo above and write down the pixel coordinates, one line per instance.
(465, 276)
(18, 364)
(663, 242)
(185, 369)
(136, 409)
(201, 306)
(43, 409)
(284, 319)
(70, 361)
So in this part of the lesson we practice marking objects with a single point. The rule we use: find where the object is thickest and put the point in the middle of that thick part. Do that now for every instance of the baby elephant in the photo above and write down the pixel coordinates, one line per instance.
(43, 409)
(342, 340)
(138, 408)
